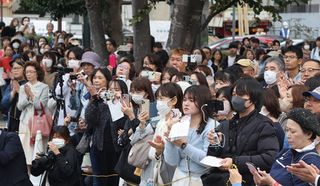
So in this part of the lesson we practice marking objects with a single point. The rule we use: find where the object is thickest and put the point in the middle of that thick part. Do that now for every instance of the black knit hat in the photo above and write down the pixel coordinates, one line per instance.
(305, 119)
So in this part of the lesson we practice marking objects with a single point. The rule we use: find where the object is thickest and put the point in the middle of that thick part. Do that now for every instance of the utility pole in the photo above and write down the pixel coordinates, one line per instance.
(233, 22)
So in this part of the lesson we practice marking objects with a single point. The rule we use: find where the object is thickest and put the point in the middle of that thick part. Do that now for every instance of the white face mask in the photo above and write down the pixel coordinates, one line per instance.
(163, 108)
(137, 98)
(270, 77)
(226, 108)
(306, 47)
(47, 62)
(60, 40)
(15, 45)
(264, 111)
(58, 142)
(73, 63)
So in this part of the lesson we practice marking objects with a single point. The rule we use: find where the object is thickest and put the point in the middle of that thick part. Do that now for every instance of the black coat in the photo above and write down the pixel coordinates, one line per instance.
(250, 139)
(13, 166)
(224, 63)
(65, 170)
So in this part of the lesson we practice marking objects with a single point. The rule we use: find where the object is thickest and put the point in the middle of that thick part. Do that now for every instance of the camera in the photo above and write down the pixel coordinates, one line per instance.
(62, 70)
(106, 95)
(192, 58)
(213, 106)
(45, 161)
(120, 141)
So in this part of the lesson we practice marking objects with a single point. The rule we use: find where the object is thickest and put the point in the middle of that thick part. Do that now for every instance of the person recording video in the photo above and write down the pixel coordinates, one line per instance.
(60, 163)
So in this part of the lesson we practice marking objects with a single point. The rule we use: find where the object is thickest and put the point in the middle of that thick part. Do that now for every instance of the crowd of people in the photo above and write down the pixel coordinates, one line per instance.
(106, 124)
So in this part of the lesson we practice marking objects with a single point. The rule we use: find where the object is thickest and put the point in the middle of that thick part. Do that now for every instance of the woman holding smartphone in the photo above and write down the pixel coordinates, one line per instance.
(187, 153)
(169, 96)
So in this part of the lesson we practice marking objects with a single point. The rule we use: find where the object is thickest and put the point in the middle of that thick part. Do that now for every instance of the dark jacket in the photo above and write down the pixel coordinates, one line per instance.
(287, 157)
(249, 139)
(65, 170)
(224, 63)
(102, 152)
(11, 105)
(13, 167)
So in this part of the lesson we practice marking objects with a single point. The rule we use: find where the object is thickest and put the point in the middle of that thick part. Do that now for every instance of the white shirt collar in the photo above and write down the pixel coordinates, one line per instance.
(307, 148)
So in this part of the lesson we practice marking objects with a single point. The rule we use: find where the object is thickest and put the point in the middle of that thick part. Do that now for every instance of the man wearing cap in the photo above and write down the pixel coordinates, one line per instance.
(89, 61)
(232, 56)
(312, 101)
(315, 53)
(247, 67)
(11, 94)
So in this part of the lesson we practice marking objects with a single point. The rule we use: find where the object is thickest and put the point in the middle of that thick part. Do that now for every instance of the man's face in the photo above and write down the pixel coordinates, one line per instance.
(291, 61)
(248, 71)
(232, 51)
(309, 69)
(276, 46)
(312, 104)
(176, 62)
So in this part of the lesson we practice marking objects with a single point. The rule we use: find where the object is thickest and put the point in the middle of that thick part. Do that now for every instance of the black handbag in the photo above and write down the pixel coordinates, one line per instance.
(215, 177)
(124, 169)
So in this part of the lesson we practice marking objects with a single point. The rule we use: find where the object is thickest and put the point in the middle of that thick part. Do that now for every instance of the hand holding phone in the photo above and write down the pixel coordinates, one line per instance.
(145, 106)
(252, 168)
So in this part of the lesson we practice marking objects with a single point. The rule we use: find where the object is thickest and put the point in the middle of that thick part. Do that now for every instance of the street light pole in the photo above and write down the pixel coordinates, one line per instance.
(233, 22)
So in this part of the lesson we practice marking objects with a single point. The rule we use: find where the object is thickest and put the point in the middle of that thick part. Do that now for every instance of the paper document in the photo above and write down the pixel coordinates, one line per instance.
(180, 129)
(211, 161)
(115, 110)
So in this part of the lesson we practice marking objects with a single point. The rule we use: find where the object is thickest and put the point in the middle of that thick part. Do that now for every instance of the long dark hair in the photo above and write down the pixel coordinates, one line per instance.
(201, 95)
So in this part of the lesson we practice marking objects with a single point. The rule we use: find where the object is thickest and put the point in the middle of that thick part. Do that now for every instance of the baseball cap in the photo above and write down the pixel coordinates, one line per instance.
(245, 63)
(315, 93)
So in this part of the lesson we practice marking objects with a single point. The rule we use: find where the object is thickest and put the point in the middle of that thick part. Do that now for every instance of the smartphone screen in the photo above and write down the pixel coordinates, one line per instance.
(251, 167)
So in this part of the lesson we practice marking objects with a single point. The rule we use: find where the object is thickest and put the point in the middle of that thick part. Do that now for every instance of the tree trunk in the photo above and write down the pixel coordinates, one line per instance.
(60, 24)
(185, 24)
(141, 34)
(94, 8)
(112, 20)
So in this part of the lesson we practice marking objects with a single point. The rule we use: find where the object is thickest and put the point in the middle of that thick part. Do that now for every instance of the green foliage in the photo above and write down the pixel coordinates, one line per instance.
(257, 6)
(56, 8)
(143, 12)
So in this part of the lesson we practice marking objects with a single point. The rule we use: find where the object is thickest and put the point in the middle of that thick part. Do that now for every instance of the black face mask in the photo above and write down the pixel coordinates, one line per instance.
(238, 104)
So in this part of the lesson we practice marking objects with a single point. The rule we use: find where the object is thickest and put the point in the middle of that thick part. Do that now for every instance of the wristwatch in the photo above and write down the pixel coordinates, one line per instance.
(183, 146)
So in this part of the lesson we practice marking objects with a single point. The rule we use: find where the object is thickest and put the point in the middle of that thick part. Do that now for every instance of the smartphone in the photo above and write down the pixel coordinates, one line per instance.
(126, 99)
(251, 167)
(145, 106)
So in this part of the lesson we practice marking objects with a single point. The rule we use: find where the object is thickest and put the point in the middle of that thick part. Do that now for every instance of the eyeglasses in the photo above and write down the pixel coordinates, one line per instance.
(290, 57)
(123, 66)
(16, 68)
(31, 72)
(175, 59)
(309, 70)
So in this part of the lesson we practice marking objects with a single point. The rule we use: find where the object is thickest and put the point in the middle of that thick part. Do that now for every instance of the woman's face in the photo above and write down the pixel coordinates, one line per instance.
(47, 48)
(87, 68)
(71, 56)
(297, 139)
(31, 73)
(139, 92)
(123, 69)
(8, 51)
(5, 43)
(99, 81)
(26, 21)
(189, 105)
(15, 22)
(249, 55)
(146, 63)
(217, 56)
(166, 99)
(115, 88)
(194, 79)
(17, 71)
(219, 84)
(165, 78)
